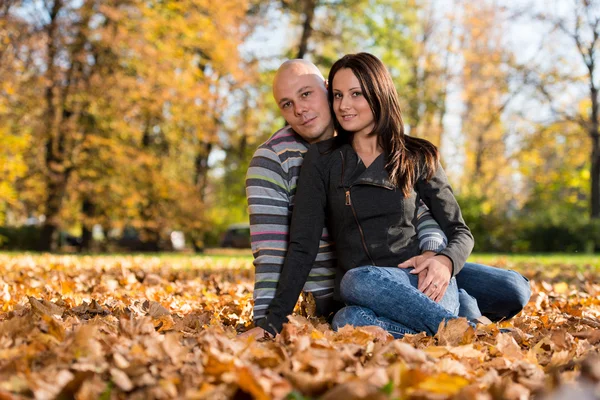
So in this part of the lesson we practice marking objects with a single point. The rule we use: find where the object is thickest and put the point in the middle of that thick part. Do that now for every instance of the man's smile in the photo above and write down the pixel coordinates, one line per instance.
(308, 121)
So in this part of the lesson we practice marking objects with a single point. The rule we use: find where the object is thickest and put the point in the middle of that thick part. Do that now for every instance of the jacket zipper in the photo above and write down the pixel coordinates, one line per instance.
(349, 203)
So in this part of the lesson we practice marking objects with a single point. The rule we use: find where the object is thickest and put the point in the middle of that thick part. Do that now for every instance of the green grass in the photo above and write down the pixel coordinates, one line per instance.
(540, 258)
(245, 255)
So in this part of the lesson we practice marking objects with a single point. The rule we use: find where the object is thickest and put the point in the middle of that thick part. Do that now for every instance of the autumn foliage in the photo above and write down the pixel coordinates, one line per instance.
(143, 327)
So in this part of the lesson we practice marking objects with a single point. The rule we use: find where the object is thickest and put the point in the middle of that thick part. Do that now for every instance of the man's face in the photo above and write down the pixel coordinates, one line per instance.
(302, 99)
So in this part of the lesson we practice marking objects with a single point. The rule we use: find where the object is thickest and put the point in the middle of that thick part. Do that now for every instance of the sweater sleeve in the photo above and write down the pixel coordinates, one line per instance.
(267, 192)
(438, 196)
(308, 220)
(431, 237)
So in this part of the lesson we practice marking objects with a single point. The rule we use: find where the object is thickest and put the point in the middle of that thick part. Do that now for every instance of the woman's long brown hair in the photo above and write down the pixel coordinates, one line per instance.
(408, 157)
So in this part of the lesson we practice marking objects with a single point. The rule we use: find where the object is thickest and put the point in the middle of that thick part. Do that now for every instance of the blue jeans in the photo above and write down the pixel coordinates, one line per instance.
(494, 292)
(388, 297)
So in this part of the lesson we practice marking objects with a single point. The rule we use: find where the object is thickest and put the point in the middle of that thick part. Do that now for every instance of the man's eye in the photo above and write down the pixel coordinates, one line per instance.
(286, 105)
(306, 94)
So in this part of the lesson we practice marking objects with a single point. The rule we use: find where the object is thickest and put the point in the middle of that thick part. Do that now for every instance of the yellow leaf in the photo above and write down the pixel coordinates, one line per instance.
(561, 287)
(443, 384)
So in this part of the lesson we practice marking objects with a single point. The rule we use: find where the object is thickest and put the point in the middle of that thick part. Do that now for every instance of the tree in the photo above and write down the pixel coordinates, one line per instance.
(581, 28)
(14, 136)
(485, 93)
(134, 93)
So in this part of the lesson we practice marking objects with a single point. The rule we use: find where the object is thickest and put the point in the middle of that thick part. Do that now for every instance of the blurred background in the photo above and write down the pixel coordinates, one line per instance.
(128, 125)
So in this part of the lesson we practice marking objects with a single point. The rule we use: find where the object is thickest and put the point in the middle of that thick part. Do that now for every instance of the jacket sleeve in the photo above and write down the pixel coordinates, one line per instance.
(308, 220)
(267, 192)
(439, 197)
(431, 237)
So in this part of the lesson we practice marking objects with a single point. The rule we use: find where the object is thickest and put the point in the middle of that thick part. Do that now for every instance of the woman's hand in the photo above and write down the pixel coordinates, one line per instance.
(415, 261)
(434, 274)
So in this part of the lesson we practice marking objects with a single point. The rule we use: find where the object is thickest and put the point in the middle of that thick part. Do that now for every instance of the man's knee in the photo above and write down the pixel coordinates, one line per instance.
(515, 297)
(468, 305)
(521, 290)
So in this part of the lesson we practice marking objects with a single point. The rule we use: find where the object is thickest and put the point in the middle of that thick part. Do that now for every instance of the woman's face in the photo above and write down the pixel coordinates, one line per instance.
(349, 105)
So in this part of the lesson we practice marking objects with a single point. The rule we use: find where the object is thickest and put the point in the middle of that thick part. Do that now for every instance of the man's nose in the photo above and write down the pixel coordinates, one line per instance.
(300, 108)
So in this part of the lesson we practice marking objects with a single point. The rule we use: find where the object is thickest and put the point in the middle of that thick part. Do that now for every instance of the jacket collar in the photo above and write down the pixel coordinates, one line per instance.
(356, 173)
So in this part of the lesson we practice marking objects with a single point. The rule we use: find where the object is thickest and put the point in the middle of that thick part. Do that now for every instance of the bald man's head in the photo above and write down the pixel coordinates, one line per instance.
(300, 91)
(296, 67)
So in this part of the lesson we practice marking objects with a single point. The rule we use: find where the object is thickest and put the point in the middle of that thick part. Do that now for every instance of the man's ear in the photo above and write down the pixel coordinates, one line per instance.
(326, 84)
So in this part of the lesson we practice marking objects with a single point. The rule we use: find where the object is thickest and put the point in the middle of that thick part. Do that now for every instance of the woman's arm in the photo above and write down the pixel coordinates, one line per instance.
(308, 220)
(438, 196)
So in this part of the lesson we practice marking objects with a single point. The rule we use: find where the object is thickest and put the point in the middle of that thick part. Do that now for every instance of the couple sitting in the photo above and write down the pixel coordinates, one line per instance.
(364, 219)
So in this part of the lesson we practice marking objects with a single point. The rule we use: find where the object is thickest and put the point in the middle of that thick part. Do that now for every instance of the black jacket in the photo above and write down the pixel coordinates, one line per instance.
(371, 221)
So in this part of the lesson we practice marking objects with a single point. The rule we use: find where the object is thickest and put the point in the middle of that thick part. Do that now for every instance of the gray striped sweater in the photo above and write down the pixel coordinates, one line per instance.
(270, 189)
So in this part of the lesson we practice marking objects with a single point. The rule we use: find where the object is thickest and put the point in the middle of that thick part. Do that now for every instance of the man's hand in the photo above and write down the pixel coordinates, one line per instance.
(439, 273)
(256, 333)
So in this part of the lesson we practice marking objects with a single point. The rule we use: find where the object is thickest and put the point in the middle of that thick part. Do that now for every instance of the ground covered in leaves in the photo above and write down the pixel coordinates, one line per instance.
(148, 327)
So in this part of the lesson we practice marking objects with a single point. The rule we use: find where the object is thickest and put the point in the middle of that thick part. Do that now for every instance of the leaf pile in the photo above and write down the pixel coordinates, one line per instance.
(152, 328)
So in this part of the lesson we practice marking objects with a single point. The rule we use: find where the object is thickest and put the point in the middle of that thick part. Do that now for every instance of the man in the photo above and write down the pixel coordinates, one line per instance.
(300, 91)
(301, 94)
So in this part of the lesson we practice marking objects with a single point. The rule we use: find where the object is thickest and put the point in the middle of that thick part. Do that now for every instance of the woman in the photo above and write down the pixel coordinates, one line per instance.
(369, 181)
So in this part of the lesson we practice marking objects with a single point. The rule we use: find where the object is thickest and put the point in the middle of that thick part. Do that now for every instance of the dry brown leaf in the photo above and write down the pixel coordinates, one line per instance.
(45, 389)
(310, 384)
(155, 309)
(248, 382)
(121, 379)
(454, 332)
(355, 390)
(408, 353)
(106, 324)
(467, 351)
(43, 307)
(89, 310)
(509, 347)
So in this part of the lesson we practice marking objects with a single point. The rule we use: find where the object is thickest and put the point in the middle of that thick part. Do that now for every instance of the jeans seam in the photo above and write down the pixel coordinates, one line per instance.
(393, 328)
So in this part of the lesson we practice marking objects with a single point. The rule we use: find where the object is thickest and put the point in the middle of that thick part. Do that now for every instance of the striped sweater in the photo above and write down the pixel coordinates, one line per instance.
(270, 189)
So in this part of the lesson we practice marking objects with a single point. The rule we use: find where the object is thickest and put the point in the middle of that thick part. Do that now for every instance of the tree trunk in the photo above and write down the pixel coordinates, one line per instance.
(88, 211)
(53, 200)
(595, 209)
(594, 132)
(55, 194)
(201, 168)
(48, 237)
(309, 13)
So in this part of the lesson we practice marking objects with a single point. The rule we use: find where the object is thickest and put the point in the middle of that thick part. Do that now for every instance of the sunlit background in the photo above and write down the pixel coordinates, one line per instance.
(130, 124)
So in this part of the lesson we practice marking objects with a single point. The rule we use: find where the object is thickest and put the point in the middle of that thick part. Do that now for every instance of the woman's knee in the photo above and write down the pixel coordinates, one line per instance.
(366, 282)
(355, 282)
